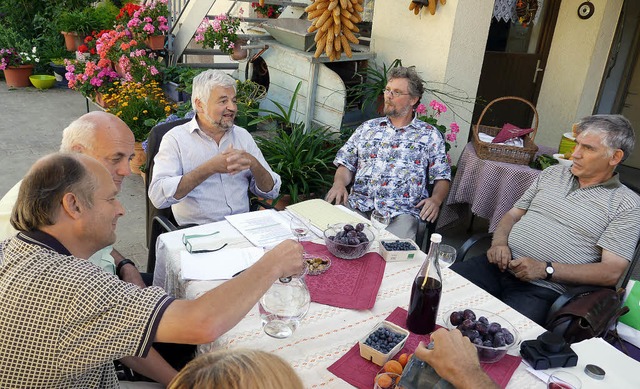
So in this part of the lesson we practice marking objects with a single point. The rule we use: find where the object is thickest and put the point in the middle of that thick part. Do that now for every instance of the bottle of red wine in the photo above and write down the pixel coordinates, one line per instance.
(426, 292)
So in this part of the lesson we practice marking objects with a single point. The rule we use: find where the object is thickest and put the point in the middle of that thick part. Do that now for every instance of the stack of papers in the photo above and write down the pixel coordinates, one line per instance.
(322, 214)
(263, 228)
(219, 265)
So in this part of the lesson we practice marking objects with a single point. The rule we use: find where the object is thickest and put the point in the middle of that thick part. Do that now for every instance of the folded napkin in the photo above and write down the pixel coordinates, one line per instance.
(360, 372)
(351, 284)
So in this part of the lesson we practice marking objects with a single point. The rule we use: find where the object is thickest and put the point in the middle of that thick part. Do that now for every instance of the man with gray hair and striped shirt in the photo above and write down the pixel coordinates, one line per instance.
(575, 225)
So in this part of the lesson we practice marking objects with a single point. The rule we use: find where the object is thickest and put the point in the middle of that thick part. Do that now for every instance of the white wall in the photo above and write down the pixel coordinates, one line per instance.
(575, 67)
(447, 47)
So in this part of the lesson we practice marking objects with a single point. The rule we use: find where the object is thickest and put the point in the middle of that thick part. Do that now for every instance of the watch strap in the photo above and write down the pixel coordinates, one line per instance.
(121, 264)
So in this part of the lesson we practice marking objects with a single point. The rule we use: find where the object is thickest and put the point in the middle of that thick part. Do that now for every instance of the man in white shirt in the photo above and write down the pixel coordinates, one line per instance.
(203, 168)
(109, 140)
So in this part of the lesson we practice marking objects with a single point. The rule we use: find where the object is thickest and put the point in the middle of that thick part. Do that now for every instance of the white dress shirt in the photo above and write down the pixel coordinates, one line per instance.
(186, 147)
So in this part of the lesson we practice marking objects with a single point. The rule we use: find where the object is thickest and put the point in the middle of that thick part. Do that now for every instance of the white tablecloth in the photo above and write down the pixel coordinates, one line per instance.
(327, 332)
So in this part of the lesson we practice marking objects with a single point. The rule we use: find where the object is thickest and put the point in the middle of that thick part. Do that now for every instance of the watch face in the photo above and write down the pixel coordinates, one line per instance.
(549, 269)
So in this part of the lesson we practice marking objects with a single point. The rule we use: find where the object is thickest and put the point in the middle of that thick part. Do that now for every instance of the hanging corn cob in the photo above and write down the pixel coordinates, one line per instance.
(416, 5)
(334, 22)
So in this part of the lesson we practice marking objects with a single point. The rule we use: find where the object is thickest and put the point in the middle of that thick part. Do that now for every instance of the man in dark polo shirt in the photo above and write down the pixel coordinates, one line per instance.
(573, 226)
(64, 320)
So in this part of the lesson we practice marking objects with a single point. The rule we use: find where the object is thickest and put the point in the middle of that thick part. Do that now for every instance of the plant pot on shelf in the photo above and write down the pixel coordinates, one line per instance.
(72, 40)
(99, 99)
(155, 42)
(139, 158)
(18, 77)
(238, 53)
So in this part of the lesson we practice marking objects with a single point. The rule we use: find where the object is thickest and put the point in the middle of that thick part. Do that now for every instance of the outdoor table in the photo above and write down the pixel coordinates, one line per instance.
(487, 188)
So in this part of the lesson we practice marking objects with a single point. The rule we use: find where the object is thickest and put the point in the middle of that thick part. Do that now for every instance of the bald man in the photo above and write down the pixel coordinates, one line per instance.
(109, 140)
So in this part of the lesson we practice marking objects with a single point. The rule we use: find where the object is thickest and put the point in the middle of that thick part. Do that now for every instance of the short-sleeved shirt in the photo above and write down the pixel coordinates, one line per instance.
(393, 165)
(64, 321)
(568, 224)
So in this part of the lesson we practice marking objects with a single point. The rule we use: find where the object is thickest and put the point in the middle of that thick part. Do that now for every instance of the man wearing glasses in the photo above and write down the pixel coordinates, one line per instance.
(391, 159)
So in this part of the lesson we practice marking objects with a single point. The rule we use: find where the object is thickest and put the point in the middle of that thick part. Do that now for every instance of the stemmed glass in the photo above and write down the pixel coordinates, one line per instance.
(300, 228)
(380, 220)
(446, 255)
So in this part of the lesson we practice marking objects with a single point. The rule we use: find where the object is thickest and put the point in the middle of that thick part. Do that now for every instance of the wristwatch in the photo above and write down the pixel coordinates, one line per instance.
(121, 264)
(549, 270)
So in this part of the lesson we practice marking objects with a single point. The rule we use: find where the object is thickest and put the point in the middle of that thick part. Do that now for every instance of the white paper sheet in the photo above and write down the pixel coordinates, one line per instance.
(219, 265)
(620, 370)
(264, 228)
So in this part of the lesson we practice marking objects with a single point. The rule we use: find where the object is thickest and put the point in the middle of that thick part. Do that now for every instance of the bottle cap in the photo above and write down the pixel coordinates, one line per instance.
(436, 238)
(595, 372)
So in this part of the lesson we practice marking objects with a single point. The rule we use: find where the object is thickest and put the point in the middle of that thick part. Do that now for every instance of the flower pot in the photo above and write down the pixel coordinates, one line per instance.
(18, 77)
(139, 158)
(121, 72)
(72, 41)
(238, 53)
(155, 42)
(99, 99)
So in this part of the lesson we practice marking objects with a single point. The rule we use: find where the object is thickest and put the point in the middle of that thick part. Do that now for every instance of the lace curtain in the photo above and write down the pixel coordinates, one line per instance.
(506, 10)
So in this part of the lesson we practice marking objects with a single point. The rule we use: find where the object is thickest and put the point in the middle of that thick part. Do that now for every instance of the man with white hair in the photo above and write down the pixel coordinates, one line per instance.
(203, 168)
(109, 140)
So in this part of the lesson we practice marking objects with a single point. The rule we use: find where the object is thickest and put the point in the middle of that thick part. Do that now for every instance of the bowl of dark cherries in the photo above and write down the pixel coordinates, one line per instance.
(492, 335)
(348, 241)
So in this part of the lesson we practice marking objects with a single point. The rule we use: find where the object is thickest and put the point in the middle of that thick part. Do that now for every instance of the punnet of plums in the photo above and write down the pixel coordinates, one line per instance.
(350, 235)
(480, 331)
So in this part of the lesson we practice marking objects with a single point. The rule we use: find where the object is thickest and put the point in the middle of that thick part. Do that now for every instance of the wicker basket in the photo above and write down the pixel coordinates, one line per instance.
(503, 153)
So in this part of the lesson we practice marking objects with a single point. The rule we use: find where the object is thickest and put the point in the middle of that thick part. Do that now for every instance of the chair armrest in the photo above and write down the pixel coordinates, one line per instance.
(165, 223)
(469, 243)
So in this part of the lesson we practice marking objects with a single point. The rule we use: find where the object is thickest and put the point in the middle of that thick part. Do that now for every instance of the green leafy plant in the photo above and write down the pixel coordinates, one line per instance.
(303, 159)
(374, 83)
(248, 96)
(283, 117)
(80, 21)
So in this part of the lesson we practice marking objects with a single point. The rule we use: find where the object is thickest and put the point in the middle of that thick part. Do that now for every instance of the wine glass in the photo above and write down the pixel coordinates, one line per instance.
(299, 227)
(563, 380)
(446, 255)
(380, 219)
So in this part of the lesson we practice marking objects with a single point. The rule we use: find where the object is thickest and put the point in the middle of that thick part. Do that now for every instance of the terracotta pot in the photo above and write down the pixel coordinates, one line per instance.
(121, 72)
(99, 99)
(139, 158)
(238, 53)
(155, 42)
(18, 77)
(72, 40)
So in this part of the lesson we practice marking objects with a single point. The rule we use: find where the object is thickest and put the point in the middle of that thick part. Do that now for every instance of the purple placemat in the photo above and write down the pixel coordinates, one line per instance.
(360, 372)
(351, 284)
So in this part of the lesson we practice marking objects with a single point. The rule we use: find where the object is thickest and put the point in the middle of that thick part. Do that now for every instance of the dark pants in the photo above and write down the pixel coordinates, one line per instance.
(531, 300)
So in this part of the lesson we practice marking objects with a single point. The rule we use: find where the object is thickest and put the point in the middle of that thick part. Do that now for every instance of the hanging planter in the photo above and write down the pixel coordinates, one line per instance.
(18, 76)
(238, 53)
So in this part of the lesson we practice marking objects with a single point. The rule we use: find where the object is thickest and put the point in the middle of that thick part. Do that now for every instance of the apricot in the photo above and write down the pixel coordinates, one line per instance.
(403, 359)
(393, 366)
(384, 381)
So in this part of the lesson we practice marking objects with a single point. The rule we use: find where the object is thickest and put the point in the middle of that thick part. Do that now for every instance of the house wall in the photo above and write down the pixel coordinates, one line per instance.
(575, 68)
(447, 47)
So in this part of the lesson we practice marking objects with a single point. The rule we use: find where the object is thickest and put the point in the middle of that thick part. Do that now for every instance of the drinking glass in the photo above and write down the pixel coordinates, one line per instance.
(283, 306)
(380, 220)
(446, 255)
(300, 228)
(563, 380)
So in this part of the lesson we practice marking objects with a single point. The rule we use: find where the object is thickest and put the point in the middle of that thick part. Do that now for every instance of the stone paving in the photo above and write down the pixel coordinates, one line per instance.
(31, 126)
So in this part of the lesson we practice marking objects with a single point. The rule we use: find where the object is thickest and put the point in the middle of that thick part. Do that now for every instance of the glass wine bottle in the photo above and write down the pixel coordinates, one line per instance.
(426, 292)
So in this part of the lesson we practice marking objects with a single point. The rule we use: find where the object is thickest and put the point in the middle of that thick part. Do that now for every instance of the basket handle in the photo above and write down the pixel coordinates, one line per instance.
(532, 134)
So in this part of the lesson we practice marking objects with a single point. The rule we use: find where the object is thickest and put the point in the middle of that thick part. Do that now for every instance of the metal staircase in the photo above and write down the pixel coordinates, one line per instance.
(186, 16)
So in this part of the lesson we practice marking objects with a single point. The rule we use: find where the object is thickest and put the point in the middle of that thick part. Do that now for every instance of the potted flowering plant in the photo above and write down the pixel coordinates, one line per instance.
(18, 66)
(141, 106)
(221, 32)
(431, 116)
(149, 22)
(90, 78)
(267, 10)
(128, 56)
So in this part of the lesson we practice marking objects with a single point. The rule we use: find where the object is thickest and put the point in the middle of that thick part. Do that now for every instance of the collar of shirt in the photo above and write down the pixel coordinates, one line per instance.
(43, 239)
(193, 127)
(611, 183)
(386, 122)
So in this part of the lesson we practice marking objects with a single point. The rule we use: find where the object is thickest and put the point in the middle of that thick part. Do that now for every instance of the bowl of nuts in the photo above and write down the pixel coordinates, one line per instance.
(347, 241)
(317, 264)
(492, 335)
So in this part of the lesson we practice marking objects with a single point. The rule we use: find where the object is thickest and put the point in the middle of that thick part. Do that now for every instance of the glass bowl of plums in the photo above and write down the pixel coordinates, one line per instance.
(492, 334)
(348, 241)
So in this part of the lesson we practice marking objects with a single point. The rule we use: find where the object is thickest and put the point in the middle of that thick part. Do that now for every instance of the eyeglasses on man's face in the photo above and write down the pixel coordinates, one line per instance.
(394, 93)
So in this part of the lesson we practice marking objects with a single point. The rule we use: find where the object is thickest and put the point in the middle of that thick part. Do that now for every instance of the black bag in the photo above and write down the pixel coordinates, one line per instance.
(585, 312)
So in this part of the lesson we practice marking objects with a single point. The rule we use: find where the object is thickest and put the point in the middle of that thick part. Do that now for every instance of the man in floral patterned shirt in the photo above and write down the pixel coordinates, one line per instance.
(393, 158)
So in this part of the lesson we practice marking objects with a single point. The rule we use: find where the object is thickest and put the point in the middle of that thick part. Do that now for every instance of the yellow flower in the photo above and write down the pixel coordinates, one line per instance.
(145, 111)
(125, 104)
(135, 118)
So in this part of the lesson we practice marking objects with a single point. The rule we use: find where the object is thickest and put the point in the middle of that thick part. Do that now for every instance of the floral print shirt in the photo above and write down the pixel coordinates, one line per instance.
(392, 165)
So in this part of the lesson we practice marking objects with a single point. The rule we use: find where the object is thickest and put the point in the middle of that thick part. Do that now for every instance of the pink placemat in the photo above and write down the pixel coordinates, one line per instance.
(360, 372)
(351, 284)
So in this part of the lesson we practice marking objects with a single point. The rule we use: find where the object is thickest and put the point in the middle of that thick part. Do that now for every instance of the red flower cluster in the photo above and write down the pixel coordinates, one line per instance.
(128, 10)
(89, 45)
